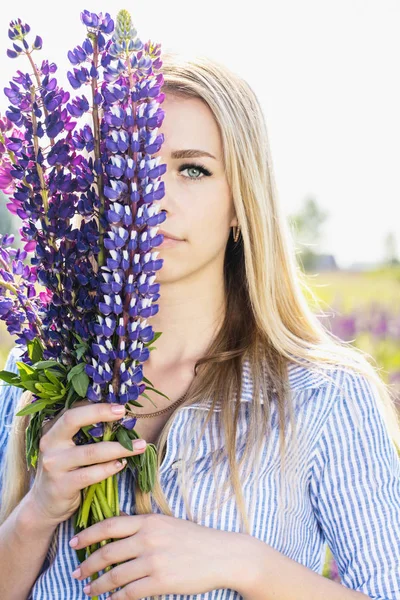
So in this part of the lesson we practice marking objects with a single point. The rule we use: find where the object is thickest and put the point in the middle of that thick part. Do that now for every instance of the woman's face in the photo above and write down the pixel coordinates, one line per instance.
(197, 201)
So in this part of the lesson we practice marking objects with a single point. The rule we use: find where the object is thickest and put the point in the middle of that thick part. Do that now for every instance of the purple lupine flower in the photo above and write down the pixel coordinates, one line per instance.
(100, 277)
(19, 305)
(48, 118)
(124, 238)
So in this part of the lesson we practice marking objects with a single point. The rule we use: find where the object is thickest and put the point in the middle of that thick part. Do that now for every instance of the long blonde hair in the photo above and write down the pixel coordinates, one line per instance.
(269, 323)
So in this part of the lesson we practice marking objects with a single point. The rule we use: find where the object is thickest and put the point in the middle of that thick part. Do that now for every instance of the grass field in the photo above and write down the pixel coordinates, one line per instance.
(353, 290)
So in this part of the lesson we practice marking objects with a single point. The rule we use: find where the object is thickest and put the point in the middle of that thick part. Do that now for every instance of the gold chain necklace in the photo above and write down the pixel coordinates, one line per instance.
(160, 412)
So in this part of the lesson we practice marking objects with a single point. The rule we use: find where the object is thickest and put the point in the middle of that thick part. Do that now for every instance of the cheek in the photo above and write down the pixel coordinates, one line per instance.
(209, 214)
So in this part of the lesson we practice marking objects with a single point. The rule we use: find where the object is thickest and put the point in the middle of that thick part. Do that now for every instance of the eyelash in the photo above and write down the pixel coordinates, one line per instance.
(206, 172)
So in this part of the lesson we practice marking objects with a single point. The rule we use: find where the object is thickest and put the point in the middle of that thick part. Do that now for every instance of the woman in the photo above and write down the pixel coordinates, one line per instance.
(245, 501)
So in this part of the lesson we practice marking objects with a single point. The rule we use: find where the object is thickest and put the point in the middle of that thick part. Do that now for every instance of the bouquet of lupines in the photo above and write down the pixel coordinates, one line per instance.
(80, 175)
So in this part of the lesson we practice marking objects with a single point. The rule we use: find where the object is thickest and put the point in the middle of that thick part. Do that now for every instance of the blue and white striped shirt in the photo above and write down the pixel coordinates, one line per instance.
(348, 495)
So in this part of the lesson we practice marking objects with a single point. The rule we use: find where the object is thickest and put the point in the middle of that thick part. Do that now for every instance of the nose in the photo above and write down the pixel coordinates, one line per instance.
(167, 202)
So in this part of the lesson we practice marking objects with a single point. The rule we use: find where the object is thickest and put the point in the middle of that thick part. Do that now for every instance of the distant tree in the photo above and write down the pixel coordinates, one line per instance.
(391, 254)
(306, 227)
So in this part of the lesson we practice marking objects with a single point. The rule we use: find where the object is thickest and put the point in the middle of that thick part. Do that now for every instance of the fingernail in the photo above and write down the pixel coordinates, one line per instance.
(76, 573)
(86, 589)
(118, 409)
(139, 444)
(73, 542)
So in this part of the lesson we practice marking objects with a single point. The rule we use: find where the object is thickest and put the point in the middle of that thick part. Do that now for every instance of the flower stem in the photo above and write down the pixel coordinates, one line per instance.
(96, 509)
(116, 498)
(105, 508)
(86, 505)
(110, 493)
(97, 152)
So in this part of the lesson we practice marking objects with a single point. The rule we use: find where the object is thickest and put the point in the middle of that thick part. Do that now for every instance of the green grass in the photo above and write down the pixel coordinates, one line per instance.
(352, 290)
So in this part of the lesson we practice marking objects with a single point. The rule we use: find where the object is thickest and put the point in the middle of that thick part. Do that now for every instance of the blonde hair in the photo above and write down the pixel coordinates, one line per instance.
(268, 322)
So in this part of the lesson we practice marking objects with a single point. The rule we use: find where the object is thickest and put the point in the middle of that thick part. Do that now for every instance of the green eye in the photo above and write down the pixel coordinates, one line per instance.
(191, 167)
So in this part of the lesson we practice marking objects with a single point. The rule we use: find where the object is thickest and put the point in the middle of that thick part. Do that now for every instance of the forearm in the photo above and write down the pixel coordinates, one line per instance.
(267, 574)
(24, 541)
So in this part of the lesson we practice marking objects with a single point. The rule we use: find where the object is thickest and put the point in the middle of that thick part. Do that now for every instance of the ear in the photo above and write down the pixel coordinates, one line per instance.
(234, 222)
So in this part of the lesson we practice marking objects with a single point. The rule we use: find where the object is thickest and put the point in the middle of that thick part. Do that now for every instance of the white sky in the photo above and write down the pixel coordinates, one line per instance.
(327, 75)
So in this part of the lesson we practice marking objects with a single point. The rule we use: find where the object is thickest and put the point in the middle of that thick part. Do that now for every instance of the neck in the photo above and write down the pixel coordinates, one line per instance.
(189, 317)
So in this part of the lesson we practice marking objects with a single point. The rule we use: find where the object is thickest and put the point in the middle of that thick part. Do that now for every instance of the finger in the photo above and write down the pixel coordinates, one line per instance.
(142, 588)
(51, 422)
(121, 576)
(100, 452)
(78, 479)
(109, 554)
(73, 419)
(113, 527)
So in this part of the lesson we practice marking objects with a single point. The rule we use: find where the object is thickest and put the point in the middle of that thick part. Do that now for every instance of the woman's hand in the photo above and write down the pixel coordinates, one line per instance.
(63, 466)
(160, 555)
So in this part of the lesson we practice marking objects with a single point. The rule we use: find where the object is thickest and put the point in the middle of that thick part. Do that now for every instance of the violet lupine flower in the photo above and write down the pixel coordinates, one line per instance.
(129, 214)
(106, 174)
(51, 186)
(19, 305)
(9, 136)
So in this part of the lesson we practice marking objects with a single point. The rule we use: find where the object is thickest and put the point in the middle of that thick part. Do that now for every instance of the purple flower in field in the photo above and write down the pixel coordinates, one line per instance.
(379, 324)
(334, 571)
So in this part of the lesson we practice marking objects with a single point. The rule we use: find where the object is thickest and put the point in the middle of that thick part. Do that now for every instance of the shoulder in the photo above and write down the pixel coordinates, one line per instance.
(356, 428)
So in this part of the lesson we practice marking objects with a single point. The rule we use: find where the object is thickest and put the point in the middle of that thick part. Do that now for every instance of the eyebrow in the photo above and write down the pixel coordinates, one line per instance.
(191, 153)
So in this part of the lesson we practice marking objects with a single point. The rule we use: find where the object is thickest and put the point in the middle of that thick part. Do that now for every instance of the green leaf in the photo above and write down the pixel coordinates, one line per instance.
(46, 364)
(78, 337)
(124, 438)
(135, 403)
(147, 475)
(80, 351)
(34, 458)
(132, 434)
(157, 334)
(80, 383)
(50, 388)
(31, 408)
(10, 377)
(71, 397)
(76, 370)
(53, 378)
(147, 380)
(157, 392)
(30, 385)
(49, 399)
(33, 433)
(35, 350)
(149, 399)
(24, 370)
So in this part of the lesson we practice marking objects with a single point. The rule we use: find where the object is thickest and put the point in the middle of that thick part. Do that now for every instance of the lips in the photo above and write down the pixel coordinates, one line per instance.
(169, 235)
